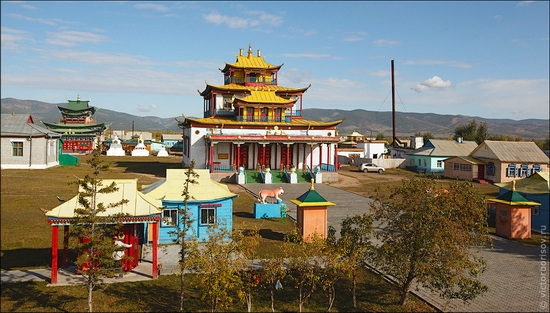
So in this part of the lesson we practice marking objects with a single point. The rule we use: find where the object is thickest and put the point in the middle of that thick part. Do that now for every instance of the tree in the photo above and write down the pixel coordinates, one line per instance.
(247, 241)
(354, 245)
(332, 264)
(428, 236)
(185, 226)
(425, 136)
(274, 272)
(302, 264)
(219, 264)
(94, 230)
(471, 132)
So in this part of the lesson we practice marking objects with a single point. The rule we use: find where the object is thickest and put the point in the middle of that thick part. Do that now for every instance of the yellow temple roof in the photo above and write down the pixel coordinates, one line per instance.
(250, 61)
(264, 96)
(228, 120)
(237, 87)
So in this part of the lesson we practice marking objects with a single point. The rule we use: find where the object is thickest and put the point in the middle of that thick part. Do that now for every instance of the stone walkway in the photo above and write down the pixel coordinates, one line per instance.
(517, 276)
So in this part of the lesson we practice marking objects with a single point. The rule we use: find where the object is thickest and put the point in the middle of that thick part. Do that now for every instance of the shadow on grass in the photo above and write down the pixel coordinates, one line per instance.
(26, 258)
(34, 296)
(153, 168)
(244, 214)
(273, 235)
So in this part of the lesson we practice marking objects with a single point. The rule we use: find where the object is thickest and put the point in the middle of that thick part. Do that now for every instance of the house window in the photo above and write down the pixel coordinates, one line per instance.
(456, 166)
(419, 162)
(524, 170)
(208, 216)
(439, 163)
(169, 217)
(17, 148)
(535, 211)
(536, 168)
(511, 171)
(466, 167)
(490, 169)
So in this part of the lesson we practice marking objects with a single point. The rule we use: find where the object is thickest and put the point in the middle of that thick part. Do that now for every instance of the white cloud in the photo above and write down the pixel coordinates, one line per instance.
(353, 39)
(385, 42)
(152, 6)
(146, 108)
(431, 83)
(524, 3)
(32, 19)
(304, 32)
(28, 7)
(11, 38)
(257, 19)
(72, 38)
(438, 62)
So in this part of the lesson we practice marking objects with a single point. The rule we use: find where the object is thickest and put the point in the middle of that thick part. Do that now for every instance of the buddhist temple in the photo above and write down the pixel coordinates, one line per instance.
(77, 126)
(253, 122)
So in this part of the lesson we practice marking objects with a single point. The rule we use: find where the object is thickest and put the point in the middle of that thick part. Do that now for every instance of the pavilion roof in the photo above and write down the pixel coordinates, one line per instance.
(171, 187)
(138, 204)
(311, 198)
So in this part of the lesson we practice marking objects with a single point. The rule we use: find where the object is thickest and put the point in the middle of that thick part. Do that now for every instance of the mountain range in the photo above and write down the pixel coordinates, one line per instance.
(367, 123)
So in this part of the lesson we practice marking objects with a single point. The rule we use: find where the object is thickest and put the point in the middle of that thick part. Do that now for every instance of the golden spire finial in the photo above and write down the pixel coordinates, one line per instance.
(312, 184)
(78, 98)
(249, 50)
(513, 185)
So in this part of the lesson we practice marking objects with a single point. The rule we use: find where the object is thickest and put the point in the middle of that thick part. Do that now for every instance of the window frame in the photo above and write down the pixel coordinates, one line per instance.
(208, 215)
(17, 152)
(171, 211)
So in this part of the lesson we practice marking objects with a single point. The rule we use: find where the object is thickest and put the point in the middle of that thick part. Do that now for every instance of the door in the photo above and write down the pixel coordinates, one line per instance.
(481, 171)
(264, 155)
(243, 156)
(286, 155)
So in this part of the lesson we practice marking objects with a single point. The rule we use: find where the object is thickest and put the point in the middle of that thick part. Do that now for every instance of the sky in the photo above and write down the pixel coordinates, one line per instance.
(480, 59)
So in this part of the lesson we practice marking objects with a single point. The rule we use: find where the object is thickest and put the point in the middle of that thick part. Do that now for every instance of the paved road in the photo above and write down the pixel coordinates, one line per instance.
(517, 276)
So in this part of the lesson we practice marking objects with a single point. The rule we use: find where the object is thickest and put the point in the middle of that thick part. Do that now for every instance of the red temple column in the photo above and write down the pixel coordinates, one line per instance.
(238, 156)
(336, 164)
(155, 247)
(55, 234)
(288, 154)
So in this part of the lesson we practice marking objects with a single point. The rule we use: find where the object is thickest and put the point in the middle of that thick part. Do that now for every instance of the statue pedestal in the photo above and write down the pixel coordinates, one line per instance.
(268, 178)
(293, 178)
(241, 180)
(318, 178)
(269, 210)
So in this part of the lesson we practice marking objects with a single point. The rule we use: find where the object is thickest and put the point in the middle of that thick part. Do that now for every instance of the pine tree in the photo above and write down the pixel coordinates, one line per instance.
(185, 226)
(93, 229)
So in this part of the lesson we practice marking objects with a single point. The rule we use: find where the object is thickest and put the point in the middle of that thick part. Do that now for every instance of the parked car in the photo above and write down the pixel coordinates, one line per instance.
(371, 167)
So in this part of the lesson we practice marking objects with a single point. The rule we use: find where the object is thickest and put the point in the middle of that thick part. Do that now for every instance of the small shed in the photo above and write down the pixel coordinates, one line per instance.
(210, 203)
(139, 211)
(513, 214)
(534, 188)
(311, 214)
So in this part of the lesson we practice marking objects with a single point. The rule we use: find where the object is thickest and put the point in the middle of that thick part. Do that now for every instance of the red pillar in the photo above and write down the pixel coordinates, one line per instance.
(65, 246)
(238, 156)
(336, 157)
(55, 234)
(211, 158)
(263, 154)
(135, 246)
(288, 154)
(155, 247)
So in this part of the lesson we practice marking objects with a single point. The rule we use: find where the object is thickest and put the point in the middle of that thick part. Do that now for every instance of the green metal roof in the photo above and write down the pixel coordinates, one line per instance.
(311, 198)
(512, 197)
